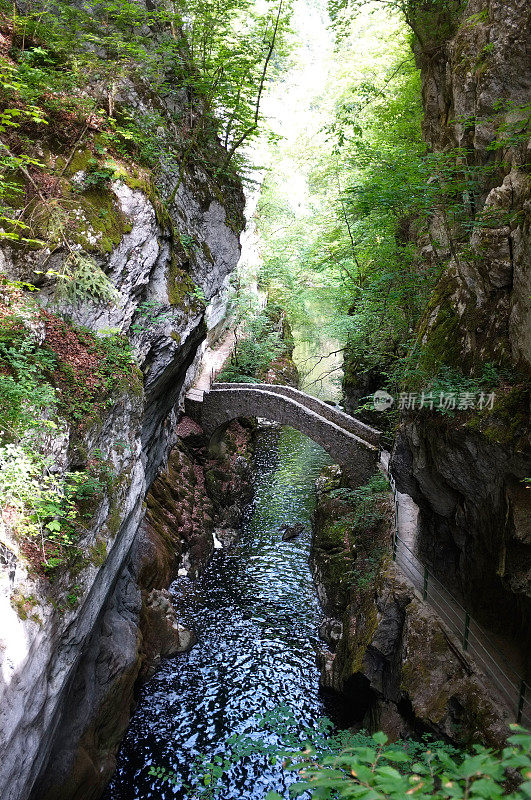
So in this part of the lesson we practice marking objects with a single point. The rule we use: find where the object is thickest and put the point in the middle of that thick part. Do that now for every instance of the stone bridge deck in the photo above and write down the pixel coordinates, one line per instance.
(350, 443)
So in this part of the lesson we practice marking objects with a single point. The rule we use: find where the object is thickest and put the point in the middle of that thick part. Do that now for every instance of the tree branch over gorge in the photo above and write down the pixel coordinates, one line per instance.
(430, 20)
(252, 128)
(210, 60)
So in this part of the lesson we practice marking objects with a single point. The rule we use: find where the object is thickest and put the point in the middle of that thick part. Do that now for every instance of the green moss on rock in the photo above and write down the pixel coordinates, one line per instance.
(23, 604)
(181, 288)
(361, 621)
(507, 422)
(100, 225)
(98, 553)
(439, 331)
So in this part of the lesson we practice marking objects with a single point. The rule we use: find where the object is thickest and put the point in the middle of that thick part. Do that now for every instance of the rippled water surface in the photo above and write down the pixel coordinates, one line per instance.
(256, 616)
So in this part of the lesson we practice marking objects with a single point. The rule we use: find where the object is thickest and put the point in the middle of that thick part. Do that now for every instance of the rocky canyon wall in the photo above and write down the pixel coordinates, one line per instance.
(396, 666)
(467, 471)
(162, 241)
(466, 467)
(194, 505)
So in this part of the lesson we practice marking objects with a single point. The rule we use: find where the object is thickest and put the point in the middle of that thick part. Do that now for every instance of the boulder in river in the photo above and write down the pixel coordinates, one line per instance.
(290, 532)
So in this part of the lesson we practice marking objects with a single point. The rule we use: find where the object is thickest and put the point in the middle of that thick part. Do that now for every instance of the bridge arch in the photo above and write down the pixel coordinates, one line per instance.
(349, 442)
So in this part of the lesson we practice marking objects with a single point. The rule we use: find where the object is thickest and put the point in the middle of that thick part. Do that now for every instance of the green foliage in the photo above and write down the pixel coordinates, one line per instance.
(72, 598)
(375, 194)
(325, 763)
(150, 313)
(112, 370)
(368, 510)
(279, 737)
(359, 516)
(47, 506)
(221, 66)
(432, 22)
(393, 772)
(82, 278)
(448, 381)
(377, 485)
(40, 501)
(188, 242)
(88, 369)
(96, 175)
(46, 509)
(368, 178)
(72, 374)
(258, 343)
(26, 396)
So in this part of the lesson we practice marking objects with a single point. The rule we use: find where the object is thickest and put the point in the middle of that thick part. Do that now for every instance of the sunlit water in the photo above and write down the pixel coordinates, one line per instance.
(256, 616)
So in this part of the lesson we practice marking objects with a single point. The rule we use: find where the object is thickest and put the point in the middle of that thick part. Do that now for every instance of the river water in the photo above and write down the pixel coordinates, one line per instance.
(256, 615)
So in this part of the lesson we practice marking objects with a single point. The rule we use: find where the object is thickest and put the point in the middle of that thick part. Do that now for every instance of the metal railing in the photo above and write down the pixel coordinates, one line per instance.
(474, 640)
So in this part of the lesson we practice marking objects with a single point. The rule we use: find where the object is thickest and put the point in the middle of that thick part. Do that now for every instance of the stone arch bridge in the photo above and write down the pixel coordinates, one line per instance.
(350, 443)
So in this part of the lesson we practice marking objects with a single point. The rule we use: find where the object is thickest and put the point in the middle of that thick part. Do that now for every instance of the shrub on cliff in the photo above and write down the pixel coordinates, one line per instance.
(258, 343)
(54, 377)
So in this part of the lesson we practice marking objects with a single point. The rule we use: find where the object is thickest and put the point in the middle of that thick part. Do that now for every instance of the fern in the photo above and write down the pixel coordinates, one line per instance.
(82, 277)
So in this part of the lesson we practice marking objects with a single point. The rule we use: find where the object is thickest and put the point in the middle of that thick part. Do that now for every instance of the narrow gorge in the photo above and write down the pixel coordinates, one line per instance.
(265, 339)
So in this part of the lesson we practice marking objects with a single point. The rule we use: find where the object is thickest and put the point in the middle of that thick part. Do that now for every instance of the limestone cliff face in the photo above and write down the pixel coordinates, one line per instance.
(396, 666)
(69, 652)
(475, 88)
(138, 625)
(466, 472)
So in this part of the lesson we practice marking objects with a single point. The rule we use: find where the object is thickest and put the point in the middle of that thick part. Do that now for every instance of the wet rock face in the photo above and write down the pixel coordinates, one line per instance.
(394, 664)
(163, 634)
(229, 477)
(466, 474)
(177, 530)
(474, 521)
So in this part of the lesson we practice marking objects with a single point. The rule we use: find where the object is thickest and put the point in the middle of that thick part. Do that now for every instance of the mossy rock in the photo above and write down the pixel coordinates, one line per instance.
(23, 605)
(359, 635)
(91, 219)
(103, 200)
(508, 421)
(207, 252)
(80, 161)
(113, 521)
(181, 288)
(105, 221)
(98, 553)
(335, 535)
(214, 483)
(439, 330)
